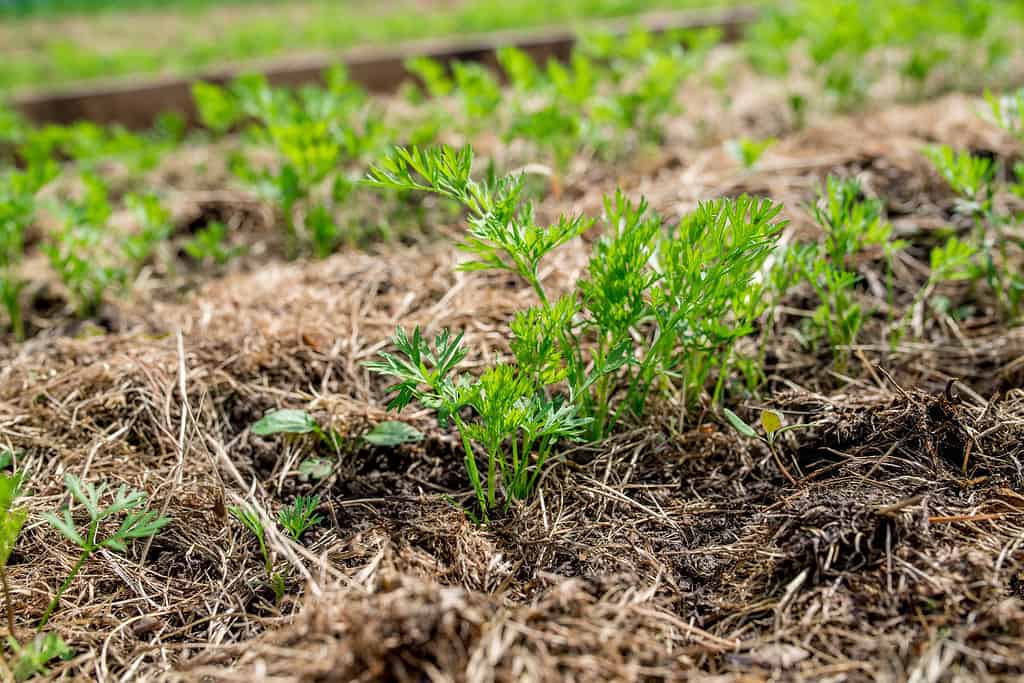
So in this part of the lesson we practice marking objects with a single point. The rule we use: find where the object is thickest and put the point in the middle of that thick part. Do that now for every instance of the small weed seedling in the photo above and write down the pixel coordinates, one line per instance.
(851, 225)
(300, 516)
(17, 211)
(137, 522)
(391, 433)
(31, 659)
(294, 421)
(747, 151)
(12, 518)
(771, 422)
(210, 244)
(251, 521)
(81, 253)
(995, 237)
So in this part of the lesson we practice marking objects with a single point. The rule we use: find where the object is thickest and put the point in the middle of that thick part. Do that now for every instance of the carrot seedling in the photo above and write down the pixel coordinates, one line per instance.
(137, 522)
(251, 521)
(300, 516)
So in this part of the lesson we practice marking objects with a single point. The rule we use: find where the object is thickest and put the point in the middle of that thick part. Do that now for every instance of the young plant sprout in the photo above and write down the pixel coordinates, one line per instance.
(12, 518)
(251, 521)
(655, 304)
(18, 191)
(503, 234)
(154, 228)
(1008, 112)
(210, 244)
(748, 151)
(971, 177)
(771, 422)
(851, 225)
(391, 433)
(510, 420)
(300, 516)
(995, 236)
(293, 421)
(952, 261)
(313, 132)
(82, 254)
(31, 659)
(137, 522)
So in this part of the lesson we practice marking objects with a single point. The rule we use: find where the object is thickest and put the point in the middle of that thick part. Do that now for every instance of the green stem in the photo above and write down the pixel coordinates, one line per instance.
(514, 478)
(86, 552)
(640, 386)
(9, 291)
(722, 372)
(17, 323)
(471, 468)
(522, 476)
(542, 456)
(535, 283)
(491, 475)
(267, 564)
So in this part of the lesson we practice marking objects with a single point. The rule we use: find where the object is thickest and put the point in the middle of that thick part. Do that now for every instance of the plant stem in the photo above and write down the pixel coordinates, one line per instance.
(778, 462)
(7, 601)
(491, 456)
(267, 564)
(64, 586)
(471, 468)
(535, 283)
(17, 324)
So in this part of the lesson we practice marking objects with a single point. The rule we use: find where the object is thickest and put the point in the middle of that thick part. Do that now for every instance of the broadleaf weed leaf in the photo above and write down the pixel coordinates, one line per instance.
(285, 421)
(12, 516)
(391, 433)
(31, 659)
(739, 425)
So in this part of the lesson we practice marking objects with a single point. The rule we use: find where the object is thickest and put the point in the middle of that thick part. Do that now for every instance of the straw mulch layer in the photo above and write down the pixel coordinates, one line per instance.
(675, 550)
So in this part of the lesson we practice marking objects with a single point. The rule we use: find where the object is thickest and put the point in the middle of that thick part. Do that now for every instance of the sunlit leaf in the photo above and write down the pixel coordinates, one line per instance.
(771, 420)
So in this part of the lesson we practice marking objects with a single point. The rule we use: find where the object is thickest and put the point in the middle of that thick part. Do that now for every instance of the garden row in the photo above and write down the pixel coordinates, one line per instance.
(666, 312)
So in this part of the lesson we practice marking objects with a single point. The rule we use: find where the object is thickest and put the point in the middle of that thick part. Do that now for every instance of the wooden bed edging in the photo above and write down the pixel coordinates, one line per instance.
(136, 102)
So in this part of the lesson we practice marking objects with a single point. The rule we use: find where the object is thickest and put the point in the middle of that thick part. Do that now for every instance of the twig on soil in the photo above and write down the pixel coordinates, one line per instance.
(949, 519)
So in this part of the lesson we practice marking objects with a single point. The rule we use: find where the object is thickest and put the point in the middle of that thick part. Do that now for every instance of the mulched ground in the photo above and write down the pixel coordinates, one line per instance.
(675, 550)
